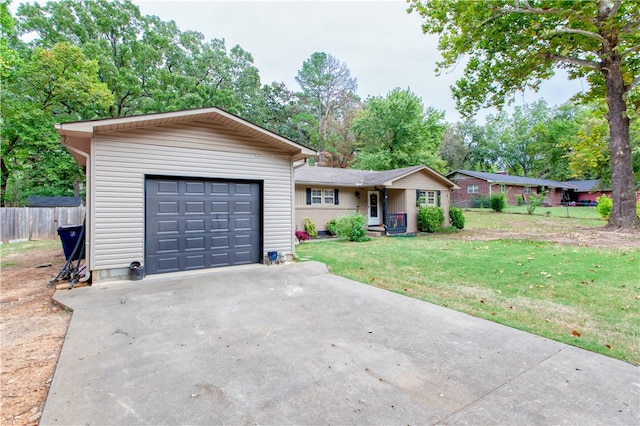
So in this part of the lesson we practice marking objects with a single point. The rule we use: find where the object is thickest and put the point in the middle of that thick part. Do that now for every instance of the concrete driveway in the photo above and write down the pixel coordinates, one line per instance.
(293, 344)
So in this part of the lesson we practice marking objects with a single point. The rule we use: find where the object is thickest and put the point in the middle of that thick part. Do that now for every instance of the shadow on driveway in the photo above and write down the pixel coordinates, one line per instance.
(293, 344)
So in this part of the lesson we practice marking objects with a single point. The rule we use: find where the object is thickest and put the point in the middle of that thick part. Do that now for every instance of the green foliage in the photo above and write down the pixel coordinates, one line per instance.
(430, 219)
(456, 217)
(519, 200)
(331, 226)
(535, 200)
(498, 202)
(397, 131)
(605, 204)
(310, 227)
(511, 46)
(48, 86)
(351, 227)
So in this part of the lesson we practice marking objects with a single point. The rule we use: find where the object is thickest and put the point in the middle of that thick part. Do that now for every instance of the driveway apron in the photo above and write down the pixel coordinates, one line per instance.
(294, 344)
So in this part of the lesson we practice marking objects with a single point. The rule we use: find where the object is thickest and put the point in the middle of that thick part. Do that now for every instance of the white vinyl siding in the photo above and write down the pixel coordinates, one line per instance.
(122, 159)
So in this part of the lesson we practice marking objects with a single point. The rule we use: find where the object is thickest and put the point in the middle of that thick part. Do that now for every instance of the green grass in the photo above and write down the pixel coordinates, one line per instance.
(7, 250)
(582, 296)
(516, 218)
(574, 212)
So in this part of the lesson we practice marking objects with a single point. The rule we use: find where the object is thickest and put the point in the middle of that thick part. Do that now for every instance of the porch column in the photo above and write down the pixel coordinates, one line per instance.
(384, 206)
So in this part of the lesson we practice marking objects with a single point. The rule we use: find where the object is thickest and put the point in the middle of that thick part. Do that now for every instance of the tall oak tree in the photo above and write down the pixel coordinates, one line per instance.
(514, 45)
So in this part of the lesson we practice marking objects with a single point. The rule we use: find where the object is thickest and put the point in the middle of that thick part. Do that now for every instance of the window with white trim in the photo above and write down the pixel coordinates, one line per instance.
(322, 197)
(316, 196)
(329, 197)
(473, 189)
(428, 198)
(502, 189)
(527, 190)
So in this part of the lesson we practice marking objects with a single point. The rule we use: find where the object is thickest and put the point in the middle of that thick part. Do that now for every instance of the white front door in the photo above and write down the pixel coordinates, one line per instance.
(374, 208)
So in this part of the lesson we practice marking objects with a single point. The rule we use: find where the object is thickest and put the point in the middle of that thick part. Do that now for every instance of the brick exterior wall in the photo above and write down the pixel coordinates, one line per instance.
(462, 198)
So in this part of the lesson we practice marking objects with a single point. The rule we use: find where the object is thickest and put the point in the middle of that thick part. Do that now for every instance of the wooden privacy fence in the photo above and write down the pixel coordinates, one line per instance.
(37, 223)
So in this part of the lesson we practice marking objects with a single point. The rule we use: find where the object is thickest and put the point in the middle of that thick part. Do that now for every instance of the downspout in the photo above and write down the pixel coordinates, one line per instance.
(87, 210)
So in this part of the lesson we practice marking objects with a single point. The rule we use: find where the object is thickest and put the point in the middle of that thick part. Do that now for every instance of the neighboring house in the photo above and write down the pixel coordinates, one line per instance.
(480, 184)
(183, 190)
(389, 199)
(41, 201)
(586, 192)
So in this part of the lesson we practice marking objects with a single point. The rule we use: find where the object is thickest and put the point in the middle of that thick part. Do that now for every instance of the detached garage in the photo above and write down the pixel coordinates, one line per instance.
(183, 190)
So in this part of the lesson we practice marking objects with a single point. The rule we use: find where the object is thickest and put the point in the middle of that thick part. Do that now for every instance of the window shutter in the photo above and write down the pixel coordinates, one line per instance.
(336, 199)
(308, 196)
(439, 201)
(417, 195)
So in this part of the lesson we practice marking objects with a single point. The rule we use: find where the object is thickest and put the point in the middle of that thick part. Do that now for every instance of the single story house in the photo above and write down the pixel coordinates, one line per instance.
(480, 184)
(586, 192)
(183, 190)
(389, 199)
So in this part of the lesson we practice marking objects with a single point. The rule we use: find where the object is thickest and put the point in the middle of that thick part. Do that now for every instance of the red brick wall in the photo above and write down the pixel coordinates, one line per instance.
(461, 198)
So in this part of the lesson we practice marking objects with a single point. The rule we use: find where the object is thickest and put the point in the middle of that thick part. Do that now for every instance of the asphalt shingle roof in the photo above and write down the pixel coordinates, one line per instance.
(349, 177)
(587, 185)
(513, 180)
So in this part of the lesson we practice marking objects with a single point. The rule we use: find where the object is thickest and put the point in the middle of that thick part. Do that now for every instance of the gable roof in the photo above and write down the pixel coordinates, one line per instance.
(503, 179)
(40, 201)
(358, 178)
(587, 185)
(86, 129)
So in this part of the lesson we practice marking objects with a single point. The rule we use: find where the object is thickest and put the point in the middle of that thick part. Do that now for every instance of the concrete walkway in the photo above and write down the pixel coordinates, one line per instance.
(293, 344)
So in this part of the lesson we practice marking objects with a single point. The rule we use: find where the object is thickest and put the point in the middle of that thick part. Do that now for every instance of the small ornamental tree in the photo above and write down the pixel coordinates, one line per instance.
(535, 200)
(310, 227)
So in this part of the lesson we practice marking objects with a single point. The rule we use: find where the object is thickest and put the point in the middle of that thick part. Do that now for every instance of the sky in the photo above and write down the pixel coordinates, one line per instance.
(382, 45)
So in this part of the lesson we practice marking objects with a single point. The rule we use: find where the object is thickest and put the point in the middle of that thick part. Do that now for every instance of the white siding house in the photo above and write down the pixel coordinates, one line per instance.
(194, 153)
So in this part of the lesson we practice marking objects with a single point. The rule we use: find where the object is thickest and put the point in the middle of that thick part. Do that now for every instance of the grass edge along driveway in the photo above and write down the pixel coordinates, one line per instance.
(582, 296)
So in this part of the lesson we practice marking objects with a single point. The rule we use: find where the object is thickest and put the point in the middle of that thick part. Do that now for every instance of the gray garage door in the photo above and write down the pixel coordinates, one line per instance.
(197, 224)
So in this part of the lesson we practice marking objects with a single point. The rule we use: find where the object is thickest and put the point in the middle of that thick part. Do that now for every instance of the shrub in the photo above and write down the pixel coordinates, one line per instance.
(430, 219)
(331, 227)
(519, 200)
(604, 206)
(351, 227)
(535, 200)
(302, 236)
(310, 227)
(498, 202)
(456, 217)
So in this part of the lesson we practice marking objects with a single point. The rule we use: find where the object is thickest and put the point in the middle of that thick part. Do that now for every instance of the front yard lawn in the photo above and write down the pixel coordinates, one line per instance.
(583, 296)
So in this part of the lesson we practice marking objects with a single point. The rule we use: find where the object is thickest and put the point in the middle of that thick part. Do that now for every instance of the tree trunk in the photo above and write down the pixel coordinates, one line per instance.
(623, 214)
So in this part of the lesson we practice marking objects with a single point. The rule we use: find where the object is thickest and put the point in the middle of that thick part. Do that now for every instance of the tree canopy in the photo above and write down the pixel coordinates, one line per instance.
(397, 131)
(512, 45)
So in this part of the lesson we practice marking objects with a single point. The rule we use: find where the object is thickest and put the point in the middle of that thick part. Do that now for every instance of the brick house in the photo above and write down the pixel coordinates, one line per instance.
(480, 184)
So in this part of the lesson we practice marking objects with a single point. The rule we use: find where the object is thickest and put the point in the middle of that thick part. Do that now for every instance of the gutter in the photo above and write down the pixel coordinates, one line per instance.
(87, 223)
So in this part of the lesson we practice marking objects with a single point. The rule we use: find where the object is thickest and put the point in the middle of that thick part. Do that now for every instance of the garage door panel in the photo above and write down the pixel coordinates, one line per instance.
(166, 187)
(192, 224)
